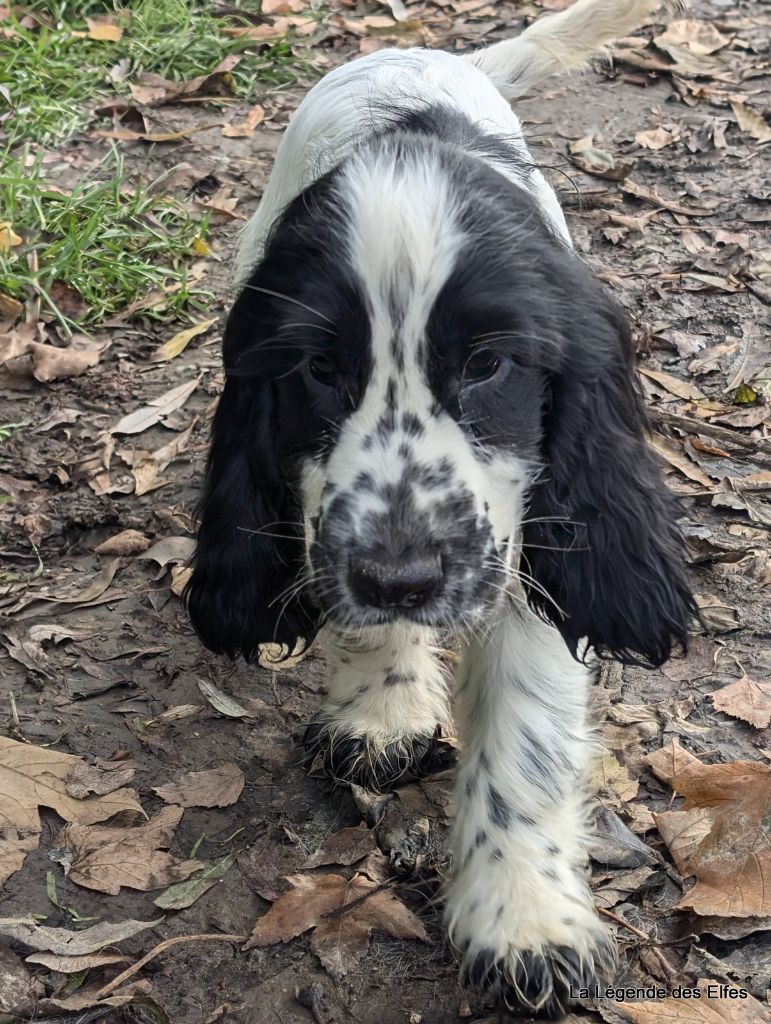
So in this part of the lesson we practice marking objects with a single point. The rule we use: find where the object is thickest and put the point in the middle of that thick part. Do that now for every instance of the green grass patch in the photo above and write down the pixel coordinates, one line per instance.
(53, 77)
(109, 241)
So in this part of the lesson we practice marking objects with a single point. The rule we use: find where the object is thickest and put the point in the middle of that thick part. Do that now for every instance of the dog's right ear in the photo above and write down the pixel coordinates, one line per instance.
(250, 551)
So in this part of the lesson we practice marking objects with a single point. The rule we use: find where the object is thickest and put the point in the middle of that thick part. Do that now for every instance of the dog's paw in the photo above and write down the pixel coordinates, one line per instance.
(539, 983)
(525, 926)
(356, 759)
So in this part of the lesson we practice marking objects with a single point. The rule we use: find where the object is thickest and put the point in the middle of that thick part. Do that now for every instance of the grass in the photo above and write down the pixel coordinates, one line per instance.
(110, 241)
(53, 76)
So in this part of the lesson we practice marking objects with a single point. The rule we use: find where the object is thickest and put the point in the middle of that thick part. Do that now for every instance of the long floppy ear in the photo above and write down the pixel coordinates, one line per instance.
(601, 539)
(250, 542)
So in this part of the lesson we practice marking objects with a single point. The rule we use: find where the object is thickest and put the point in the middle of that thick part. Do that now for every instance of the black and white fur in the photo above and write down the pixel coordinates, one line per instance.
(431, 424)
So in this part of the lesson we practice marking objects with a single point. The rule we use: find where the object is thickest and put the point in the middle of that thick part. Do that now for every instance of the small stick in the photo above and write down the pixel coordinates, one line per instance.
(692, 426)
(667, 967)
(160, 948)
(361, 899)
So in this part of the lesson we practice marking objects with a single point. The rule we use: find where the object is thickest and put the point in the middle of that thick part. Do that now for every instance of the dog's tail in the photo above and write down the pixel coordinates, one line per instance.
(562, 42)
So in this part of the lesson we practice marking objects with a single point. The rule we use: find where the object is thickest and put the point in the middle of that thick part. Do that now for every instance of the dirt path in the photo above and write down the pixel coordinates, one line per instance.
(115, 675)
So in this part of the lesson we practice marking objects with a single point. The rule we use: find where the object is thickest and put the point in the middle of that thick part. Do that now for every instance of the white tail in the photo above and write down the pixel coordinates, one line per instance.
(561, 42)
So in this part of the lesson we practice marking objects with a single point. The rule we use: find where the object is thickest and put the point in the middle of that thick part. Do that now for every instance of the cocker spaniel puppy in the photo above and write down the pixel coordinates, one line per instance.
(431, 423)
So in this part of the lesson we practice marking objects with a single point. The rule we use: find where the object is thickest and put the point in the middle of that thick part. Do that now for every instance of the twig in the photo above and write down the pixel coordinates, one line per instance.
(692, 426)
(160, 948)
(666, 966)
(361, 899)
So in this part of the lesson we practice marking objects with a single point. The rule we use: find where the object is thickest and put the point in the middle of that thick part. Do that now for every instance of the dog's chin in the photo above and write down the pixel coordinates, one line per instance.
(349, 617)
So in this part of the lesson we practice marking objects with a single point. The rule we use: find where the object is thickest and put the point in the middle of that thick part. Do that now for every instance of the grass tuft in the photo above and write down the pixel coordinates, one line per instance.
(108, 242)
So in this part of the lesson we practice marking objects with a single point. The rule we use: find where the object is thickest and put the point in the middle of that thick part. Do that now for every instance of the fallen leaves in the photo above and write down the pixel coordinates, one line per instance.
(217, 787)
(107, 858)
(20, 356)
(746, 698)
(31, 777)
(176, 345)
(339, 936)
(155, 410)
(66, 942)
(751, 121)
(245, 129)
(720, 836)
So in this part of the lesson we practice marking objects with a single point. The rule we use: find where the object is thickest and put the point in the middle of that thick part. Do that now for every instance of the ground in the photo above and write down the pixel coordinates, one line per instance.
(661, 159)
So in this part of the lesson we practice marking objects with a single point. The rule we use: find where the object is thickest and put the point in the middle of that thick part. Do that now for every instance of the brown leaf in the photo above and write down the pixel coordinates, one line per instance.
(746, 698)
(106, 858)
(657, 138)
(653, 196)
(338, 939)
(675, 456)
(751, 121)
(675, 386)
(71, 943)
(347, 846)
(218, 787)
(75, 964)
(127, 542)
(23, 357)
(31, 777)
(711, 1007)
(700, 37)
(129, 135)
(102, 29)
(245, 129)
(152, 90)
(720, 836)
(85, 780)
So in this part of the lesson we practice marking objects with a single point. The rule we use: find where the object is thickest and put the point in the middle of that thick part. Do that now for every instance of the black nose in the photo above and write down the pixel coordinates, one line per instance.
(385, 581)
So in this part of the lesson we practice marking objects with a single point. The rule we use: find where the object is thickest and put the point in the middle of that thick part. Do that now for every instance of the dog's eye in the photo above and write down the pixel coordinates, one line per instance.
(323, 370)
(480, 366)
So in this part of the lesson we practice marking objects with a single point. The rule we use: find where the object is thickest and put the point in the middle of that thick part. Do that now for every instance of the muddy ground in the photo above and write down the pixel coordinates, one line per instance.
(692, 265)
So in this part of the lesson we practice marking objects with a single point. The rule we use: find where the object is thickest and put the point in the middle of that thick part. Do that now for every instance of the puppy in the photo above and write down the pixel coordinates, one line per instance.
(431, 424)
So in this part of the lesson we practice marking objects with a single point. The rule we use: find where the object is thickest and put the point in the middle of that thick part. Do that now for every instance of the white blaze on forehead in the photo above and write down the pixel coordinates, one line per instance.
(403, 236)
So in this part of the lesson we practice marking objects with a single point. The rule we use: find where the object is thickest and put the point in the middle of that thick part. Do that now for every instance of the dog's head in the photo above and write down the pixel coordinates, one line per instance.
(426, 394)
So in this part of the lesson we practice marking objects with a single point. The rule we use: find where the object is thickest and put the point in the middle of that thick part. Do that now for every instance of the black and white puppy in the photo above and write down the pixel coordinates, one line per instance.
(431, 423)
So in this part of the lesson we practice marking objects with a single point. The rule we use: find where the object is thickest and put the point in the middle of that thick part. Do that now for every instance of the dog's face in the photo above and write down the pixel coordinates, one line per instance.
(425, 389)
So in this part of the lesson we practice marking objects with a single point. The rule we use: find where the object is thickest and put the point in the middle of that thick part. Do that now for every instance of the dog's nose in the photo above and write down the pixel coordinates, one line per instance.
(384, 581)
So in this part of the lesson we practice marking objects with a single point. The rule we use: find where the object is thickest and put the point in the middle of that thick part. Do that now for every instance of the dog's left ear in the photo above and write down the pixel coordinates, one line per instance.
(600, 538)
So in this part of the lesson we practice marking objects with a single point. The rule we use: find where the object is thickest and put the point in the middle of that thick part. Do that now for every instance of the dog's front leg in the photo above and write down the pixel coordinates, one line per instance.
(387, 704)
(519, 907)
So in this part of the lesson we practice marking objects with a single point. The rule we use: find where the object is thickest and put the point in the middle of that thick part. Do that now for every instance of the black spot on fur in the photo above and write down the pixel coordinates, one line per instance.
(500, 809)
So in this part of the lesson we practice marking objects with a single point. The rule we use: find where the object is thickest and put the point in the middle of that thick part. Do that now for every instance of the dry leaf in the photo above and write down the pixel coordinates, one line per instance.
(174, 346)
(653, 196)
(86, 780)
(23, 357)
(270, 655)
(674, 385)
(217, 787)
(245, 129)
(675, 456)
(720, 836)
(148, 415)
(613, 777)
(103, 29)
(33, 777)
(713, 1006)
(106, 858)
(748, 699)
(170, 550)
(220, 701)
(751, 121)
(337, 939)
(8, 237)
(152, 90)
(127, 542)
(347, 846)
(184, 894)
(64, 942)
(700, 37)
(75, 964)
(657, 138)
(128, 135)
